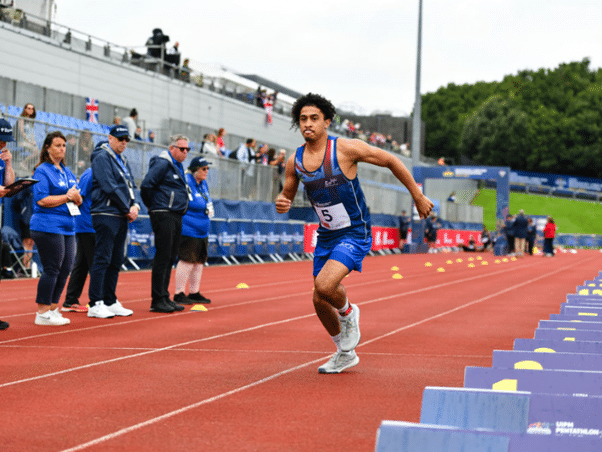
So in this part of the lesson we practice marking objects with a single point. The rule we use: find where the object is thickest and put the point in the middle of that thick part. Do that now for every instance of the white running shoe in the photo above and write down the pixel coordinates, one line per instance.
(339, 362)
(118, 309)
(49, 319)
(99, 310)
(57, 315)
(350, 329)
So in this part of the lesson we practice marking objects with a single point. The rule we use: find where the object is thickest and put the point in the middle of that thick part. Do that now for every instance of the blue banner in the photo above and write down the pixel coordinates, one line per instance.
(261, 230)
(213, 248)
(298, 238)
(244, 237)
(556, 181)
(141, 241)
(286, 237)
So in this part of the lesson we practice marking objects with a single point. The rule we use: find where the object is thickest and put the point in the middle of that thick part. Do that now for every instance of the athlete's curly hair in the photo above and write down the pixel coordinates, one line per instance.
(323, 104)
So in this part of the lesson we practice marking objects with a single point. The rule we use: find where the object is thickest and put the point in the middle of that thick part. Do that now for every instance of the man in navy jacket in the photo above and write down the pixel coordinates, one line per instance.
(166, 195)
(113, 206)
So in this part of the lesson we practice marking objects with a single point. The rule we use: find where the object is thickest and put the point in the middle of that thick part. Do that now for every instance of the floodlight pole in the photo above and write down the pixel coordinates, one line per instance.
(417, 123)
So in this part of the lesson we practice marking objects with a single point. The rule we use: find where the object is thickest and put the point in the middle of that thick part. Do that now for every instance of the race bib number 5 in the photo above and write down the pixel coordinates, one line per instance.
(333, 217)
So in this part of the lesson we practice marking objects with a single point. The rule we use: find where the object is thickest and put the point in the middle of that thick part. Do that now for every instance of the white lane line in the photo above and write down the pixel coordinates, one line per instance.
(165, 416)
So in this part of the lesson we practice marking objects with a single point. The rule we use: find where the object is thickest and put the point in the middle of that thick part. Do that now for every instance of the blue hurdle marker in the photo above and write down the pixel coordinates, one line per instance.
(523, 359)
(546, 345)
(566, 308)
(511, 412)
(395, 436)
(580, 318)
(536, 381)
(570, 325)
(565, 335)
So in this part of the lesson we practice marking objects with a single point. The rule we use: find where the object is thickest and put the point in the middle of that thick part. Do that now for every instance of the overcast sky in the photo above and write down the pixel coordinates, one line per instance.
(360, 53)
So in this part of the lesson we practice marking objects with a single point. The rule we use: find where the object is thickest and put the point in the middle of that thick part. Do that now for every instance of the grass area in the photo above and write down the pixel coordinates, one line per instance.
(571, 216)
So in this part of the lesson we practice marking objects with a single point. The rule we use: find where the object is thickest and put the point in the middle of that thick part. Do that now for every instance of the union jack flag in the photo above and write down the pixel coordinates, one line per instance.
(92, 110)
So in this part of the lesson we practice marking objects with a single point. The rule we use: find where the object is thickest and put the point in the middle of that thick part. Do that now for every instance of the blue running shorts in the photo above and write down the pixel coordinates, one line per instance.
(348, 250)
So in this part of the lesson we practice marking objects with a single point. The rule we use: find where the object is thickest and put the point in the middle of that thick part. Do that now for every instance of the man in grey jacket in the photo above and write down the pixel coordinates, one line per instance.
(113, 206)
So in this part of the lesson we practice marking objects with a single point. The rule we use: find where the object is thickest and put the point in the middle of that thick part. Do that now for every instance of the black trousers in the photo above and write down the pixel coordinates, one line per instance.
(83, 263)
(167, 227)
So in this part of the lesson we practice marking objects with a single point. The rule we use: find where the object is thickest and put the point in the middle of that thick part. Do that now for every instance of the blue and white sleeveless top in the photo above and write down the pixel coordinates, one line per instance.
(338, 201)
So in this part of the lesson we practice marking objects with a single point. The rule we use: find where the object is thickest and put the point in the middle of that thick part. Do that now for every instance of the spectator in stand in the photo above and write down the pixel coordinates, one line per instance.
(404, 226)
(246, 152)
(521, 226)
(195, 231)
(56, 200)
(26, 139)
(209, 145)
(130, 122)
(549, 232)
(116, 120)
(531, 235)
(471, 247)
(173, 54)
(279, 161)
(262, 155)
(85, 148)
(84, 255)
(165, 192)
(185, 71)
(7, 174)
(485, 239)
(151, 136)
(452, 197)
(221, 146)
(259, 97)
(138, 133)
(268, 105)
(509, 232)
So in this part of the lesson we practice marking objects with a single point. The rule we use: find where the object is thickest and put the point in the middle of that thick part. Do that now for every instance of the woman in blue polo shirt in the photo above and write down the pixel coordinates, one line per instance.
(55, 203)
(192, 253)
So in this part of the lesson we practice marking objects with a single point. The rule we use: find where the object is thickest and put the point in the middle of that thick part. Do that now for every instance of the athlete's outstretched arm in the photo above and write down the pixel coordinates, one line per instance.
(361, 151)
(291, 184)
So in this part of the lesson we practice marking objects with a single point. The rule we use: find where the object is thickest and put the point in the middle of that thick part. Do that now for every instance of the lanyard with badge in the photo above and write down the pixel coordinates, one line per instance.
(209, 210)
(71, 206)
(126, 176)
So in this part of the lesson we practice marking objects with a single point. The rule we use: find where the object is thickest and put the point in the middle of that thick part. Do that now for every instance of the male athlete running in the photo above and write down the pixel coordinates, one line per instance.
(327, 166)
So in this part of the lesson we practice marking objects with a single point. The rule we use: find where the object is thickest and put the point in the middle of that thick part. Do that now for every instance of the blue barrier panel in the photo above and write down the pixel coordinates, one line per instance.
(577, 297)
(566, 308)
(593, 290)
(275, 237)
(243, 229)
(522, 359)
(286, 237)
(298, 238)
(406, 437)
(393, 436)
(213, 246)
(141, 244)
(513, 412)
(566, 335)
(558, 346)
(536, 381)
(472, 409)
(261, 229)
(563, 324)
(226, 238)
(577, 318)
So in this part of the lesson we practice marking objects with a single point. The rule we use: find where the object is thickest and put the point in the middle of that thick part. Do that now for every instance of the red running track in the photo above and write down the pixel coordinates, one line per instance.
(243, 375)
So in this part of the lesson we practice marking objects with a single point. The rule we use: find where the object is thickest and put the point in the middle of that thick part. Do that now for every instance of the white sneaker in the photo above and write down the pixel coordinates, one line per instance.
(339, 362)
(100, 311)
(350, 329)
(118, 309)
(57, 315)
(48, 319)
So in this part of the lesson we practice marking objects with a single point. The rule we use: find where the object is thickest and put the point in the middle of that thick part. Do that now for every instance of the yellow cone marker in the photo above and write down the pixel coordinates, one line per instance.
(513, 258)
(497, 261)
(428, 264)
(505, 259)
(242, 285)
(440, 269)
(397, 276)
(471, 265)
(471, 259)
(449, 262)
(484, 263)
(479, 258)
(394, 268)
(458, 260)
(198, 307)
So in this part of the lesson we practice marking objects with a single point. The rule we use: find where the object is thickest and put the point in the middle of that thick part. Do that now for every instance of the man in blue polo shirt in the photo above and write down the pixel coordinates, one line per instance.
(7, 174)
